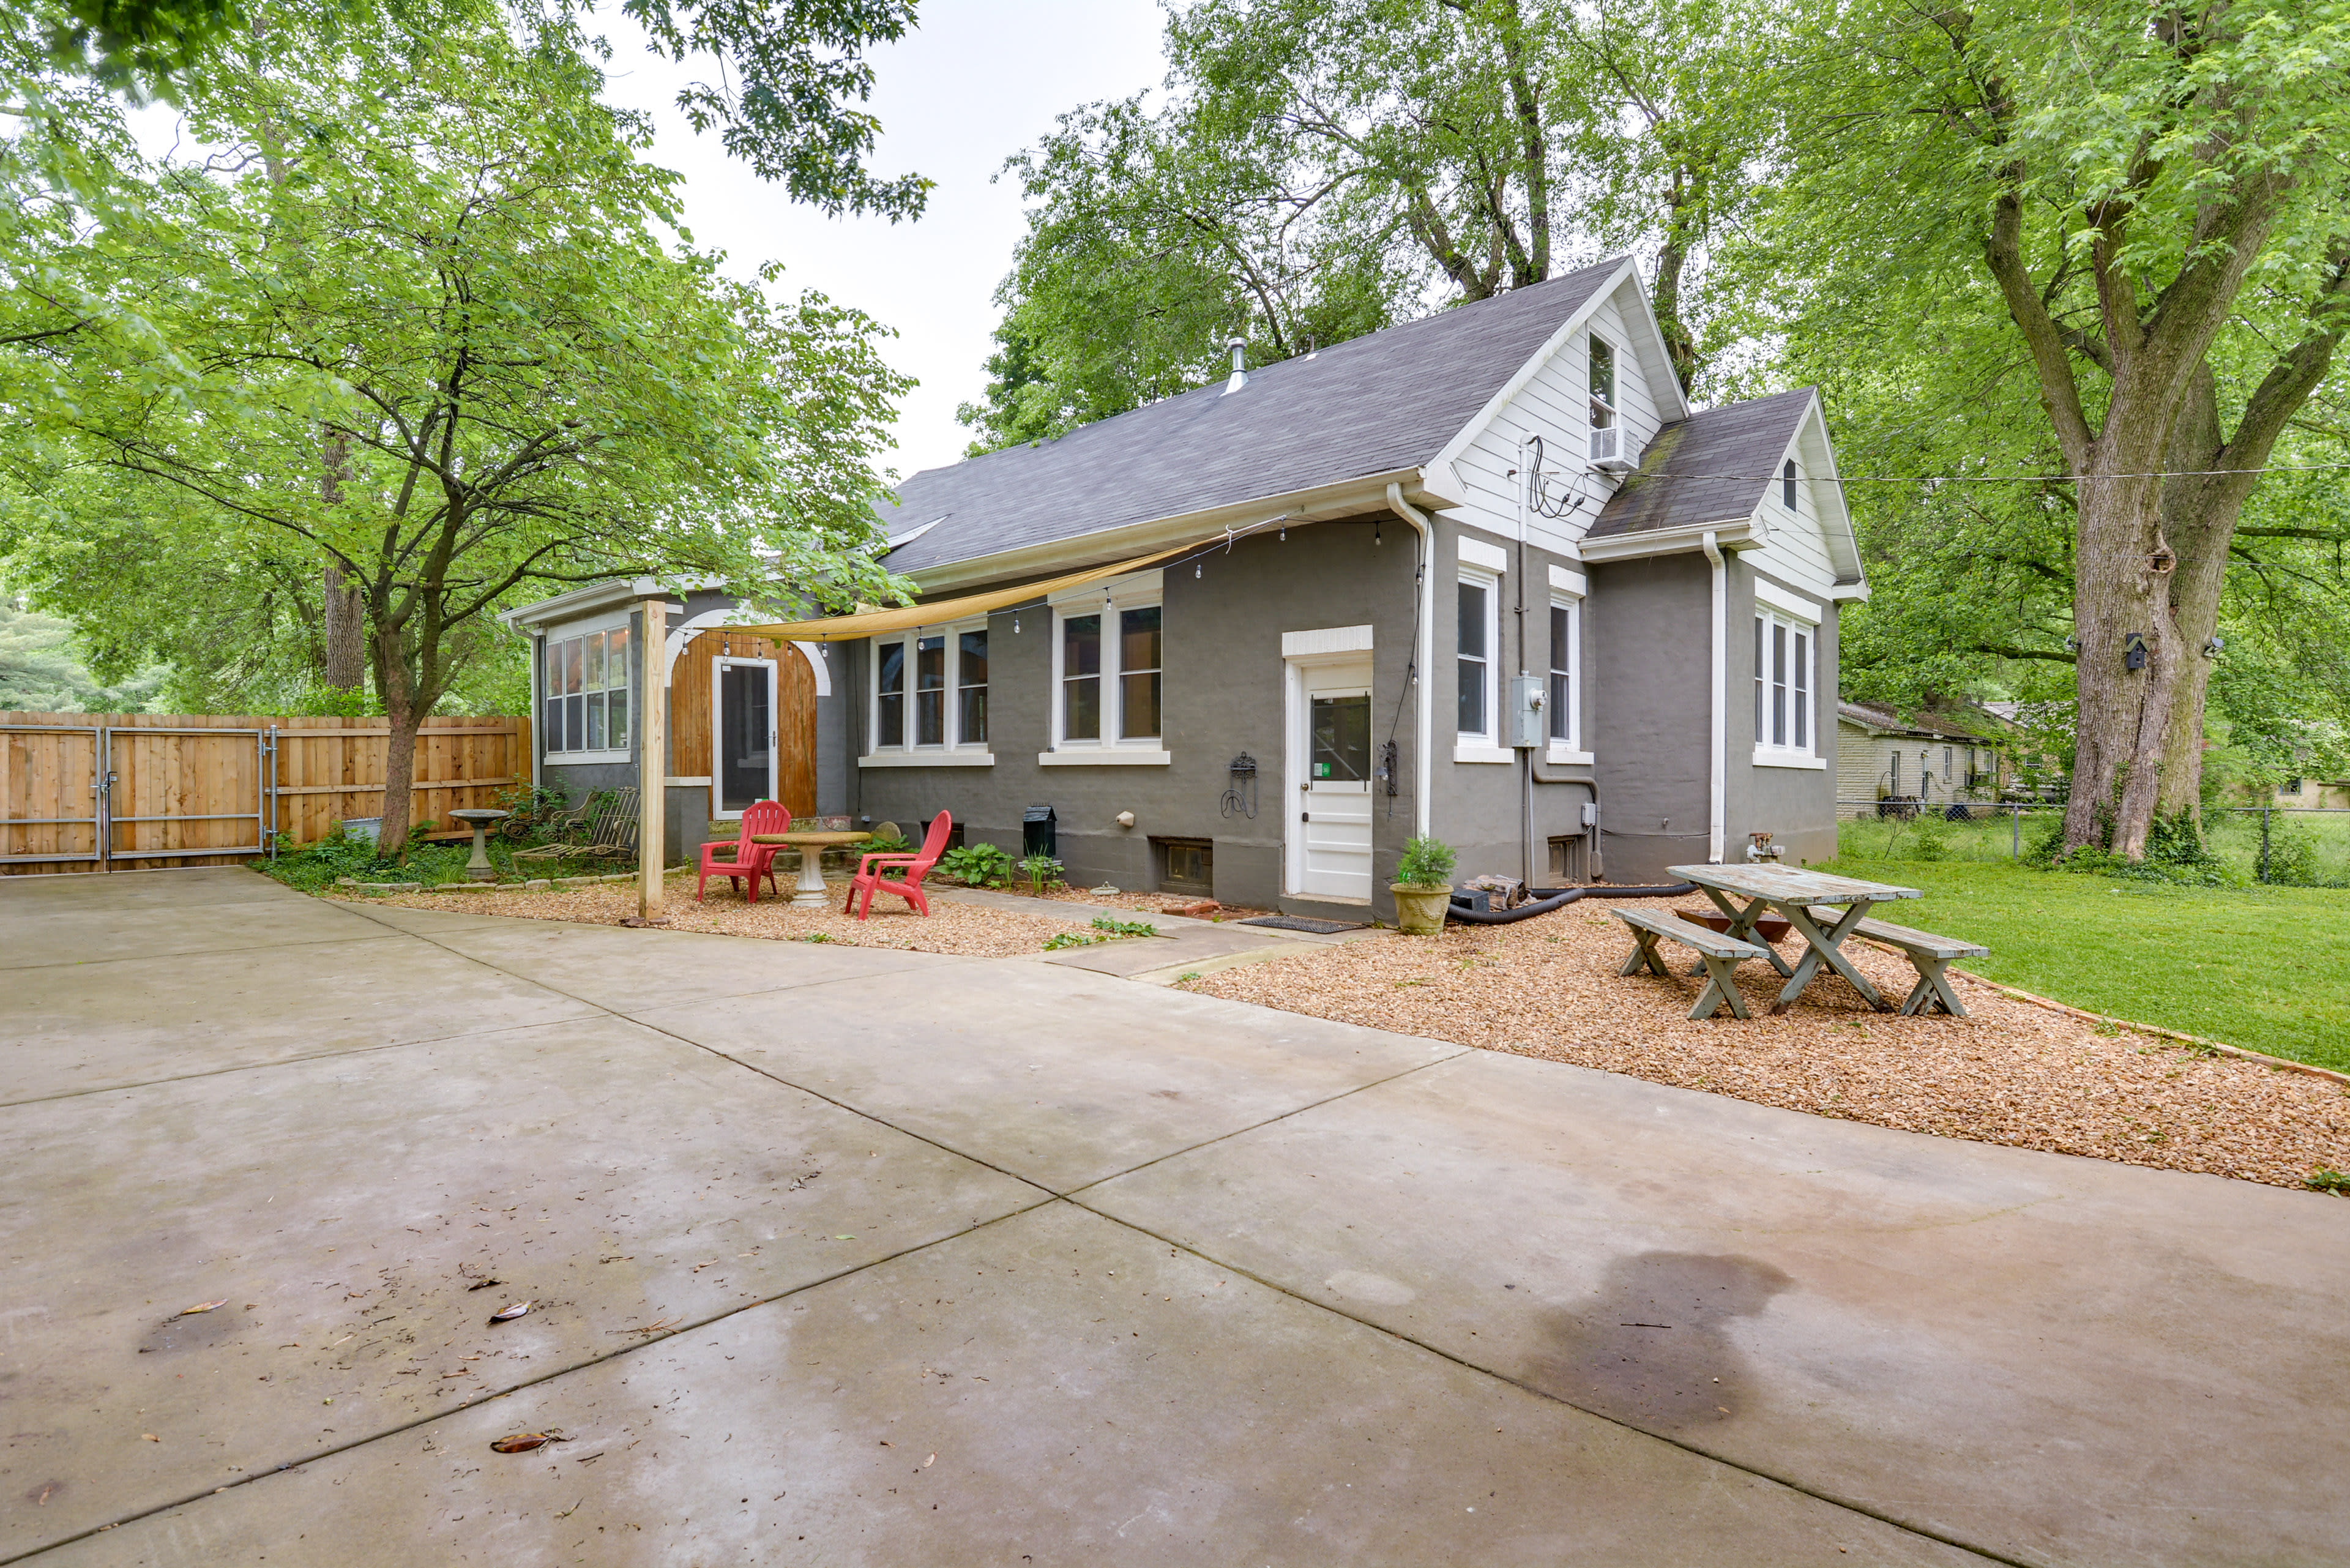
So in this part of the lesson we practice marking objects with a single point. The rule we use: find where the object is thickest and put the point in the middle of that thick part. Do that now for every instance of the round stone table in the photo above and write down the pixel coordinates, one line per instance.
(809, 892)
(479, 869)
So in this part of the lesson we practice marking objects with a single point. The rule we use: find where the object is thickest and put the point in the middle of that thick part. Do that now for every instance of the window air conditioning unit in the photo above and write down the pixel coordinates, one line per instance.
(1607, 449)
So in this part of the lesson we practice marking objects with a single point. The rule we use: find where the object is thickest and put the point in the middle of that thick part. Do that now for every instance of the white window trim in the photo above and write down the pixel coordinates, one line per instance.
(1767, 755)
(1570, 750)
(1480, 745)
(954, 752)
(615, 620)
(1144, 591)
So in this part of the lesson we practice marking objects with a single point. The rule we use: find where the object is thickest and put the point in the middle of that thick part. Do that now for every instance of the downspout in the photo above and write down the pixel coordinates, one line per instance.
(1720, 725)
(1423, 715)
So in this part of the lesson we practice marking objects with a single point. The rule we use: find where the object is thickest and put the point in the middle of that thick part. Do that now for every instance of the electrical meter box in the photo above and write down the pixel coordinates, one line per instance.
(1528, 725)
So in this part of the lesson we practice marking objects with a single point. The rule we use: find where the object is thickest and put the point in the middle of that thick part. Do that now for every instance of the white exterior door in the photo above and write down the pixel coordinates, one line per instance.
(1329, 791)
(742, 733)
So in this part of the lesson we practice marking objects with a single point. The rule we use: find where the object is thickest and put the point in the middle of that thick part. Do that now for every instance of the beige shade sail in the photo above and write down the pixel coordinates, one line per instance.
(874, 623)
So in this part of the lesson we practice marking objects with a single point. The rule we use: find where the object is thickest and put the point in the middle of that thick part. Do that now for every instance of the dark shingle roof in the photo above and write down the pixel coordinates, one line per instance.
(1387, 400)
(1920, 723)
(1738, 440)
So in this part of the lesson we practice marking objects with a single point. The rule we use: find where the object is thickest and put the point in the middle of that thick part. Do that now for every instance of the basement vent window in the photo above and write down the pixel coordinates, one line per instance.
(1186, 866)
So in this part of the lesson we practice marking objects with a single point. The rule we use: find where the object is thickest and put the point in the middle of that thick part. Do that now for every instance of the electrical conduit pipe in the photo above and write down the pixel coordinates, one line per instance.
(1720, 779)
(1423, 716)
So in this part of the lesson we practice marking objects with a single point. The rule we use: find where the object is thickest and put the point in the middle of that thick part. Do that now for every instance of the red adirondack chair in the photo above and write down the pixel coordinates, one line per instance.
(912, 868)
(743, 858)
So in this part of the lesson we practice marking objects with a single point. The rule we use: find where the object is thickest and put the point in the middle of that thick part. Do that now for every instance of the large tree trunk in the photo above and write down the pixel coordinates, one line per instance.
(2197, 520)
(345, 620)
(345, 612)
(2123, 717)
(407, 715)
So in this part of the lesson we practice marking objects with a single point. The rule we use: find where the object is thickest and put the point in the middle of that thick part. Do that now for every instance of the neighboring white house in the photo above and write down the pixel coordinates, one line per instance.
(1880, 755)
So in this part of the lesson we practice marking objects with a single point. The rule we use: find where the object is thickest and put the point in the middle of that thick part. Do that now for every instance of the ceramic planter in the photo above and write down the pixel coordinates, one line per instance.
(1420, 910)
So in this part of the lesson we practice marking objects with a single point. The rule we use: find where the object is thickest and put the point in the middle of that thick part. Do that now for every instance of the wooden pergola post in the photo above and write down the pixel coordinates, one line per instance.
(652, 762)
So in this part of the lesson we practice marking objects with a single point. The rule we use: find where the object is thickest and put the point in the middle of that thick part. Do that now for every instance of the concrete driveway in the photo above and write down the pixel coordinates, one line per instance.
(849, 1256)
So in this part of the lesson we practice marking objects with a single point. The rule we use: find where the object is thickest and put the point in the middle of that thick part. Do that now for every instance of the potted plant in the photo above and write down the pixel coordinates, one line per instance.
(1423, 887)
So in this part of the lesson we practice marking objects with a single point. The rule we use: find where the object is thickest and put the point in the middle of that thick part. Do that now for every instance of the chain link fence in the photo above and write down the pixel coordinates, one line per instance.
(2284, 846)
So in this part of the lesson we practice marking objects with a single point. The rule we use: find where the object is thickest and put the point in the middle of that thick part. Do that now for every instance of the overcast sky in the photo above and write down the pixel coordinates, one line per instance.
(977, 81)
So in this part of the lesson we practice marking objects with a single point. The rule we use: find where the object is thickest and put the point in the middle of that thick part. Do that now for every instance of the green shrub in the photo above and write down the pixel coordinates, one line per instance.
(977, 865)
(2291, 858)
(1042, 873)
(1426, 863)
(1932, 840)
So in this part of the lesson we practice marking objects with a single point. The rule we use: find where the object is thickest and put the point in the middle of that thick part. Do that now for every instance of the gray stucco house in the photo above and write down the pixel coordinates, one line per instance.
(1484, 575)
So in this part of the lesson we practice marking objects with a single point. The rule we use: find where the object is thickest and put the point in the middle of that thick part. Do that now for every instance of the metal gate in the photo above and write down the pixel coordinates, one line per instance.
(95, 797)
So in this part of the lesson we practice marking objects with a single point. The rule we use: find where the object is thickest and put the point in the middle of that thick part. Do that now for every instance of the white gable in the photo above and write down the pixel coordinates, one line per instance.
(1549, 400)
(1811, 546)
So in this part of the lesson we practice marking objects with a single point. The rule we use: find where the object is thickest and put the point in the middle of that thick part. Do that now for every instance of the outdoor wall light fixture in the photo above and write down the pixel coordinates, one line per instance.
(2134, 650)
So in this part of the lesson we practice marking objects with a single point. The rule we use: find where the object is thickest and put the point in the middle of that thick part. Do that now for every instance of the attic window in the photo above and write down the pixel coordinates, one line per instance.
(1603, 382)
(1787, 485)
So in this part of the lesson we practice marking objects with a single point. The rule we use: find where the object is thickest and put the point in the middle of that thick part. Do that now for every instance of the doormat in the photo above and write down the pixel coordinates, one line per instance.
(1298, 923)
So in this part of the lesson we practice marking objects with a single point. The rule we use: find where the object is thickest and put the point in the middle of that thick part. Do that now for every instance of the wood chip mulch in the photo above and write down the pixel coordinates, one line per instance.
(969, 931)
(1144, 903)
(2010, 1073)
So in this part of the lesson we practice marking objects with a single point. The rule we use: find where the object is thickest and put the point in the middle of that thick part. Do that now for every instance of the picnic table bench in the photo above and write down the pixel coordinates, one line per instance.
(1795, 894)
(1929, 954)
(1721, 954)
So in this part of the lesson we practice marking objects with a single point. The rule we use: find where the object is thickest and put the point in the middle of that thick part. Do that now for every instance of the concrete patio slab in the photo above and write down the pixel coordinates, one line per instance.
(347, 1212)
(2062, 1360)
(164, 888)
(50, 931)
(631, 971)
(69, 1028)
(1051, 1390)
(1059, 1076)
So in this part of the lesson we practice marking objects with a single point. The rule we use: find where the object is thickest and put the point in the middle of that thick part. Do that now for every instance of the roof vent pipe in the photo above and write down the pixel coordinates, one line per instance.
(1239, 378)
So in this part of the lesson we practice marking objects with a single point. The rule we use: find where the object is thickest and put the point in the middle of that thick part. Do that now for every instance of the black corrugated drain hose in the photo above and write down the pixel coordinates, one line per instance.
(1546, 899)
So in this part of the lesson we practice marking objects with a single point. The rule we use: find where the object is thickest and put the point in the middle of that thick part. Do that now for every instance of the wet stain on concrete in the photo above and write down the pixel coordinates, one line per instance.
(1650, 1348)
(187, 1333)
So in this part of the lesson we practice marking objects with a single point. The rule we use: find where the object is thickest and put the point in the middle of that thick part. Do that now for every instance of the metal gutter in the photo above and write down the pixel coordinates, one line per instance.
(1728, 533)
(1423, 716)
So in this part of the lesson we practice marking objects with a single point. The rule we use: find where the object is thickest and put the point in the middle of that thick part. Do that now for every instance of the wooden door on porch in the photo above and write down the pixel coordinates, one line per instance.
(691, 713)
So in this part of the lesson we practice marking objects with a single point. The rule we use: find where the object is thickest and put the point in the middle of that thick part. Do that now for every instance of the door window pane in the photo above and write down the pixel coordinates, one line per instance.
(616, 726)
(889, 729)
(1470, 719)
(1081, 678)
(931, 691)
(1342, 739)
(575, 722)
(970, 676)
(745, 726)
(1139, 673)
(595, 720)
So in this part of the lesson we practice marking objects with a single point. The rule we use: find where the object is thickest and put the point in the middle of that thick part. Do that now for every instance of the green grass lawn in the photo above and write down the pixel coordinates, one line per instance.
(2264, 968)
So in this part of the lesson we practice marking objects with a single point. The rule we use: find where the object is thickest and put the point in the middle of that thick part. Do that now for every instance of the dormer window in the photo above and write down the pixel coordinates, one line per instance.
(1787, 485)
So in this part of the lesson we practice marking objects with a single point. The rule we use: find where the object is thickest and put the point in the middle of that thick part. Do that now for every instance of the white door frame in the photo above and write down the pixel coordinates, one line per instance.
(1298, 745)
(719, 663)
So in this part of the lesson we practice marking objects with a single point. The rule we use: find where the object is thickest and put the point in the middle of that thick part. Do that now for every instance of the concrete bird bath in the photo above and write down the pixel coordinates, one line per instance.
(479, 869)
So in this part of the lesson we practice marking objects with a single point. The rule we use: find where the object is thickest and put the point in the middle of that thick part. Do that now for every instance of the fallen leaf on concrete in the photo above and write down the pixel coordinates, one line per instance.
(485, 1285)
(524, 1442)
(203, 1306)
(508, 1315)
(929, 1462)
(151, 1437)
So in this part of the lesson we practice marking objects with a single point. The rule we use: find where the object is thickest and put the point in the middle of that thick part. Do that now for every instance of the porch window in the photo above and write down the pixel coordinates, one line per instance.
(931, 691)
(584, 693)
(889, 687)
(1081, 672)
(1109, 664)
(1137, 674)
(970, 692)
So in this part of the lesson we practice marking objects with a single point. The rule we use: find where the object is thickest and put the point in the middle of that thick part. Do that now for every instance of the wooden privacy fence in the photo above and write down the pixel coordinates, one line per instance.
(87, 792)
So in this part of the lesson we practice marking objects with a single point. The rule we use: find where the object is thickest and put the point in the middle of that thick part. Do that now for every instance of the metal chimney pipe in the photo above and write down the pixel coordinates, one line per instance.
(1239, 378)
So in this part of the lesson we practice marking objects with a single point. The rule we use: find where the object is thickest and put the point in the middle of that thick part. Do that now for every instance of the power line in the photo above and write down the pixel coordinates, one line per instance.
(1998, 478)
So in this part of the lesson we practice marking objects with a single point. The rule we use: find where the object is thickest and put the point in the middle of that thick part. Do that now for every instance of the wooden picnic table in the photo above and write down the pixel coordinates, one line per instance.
(1791, 893)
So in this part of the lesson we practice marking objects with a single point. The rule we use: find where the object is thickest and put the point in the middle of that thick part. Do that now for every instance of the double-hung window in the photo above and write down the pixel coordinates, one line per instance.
(1564, 699)
(1473, 661)
(1109, 674)
(584, 693)
(929, 696)
(1784, 651)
